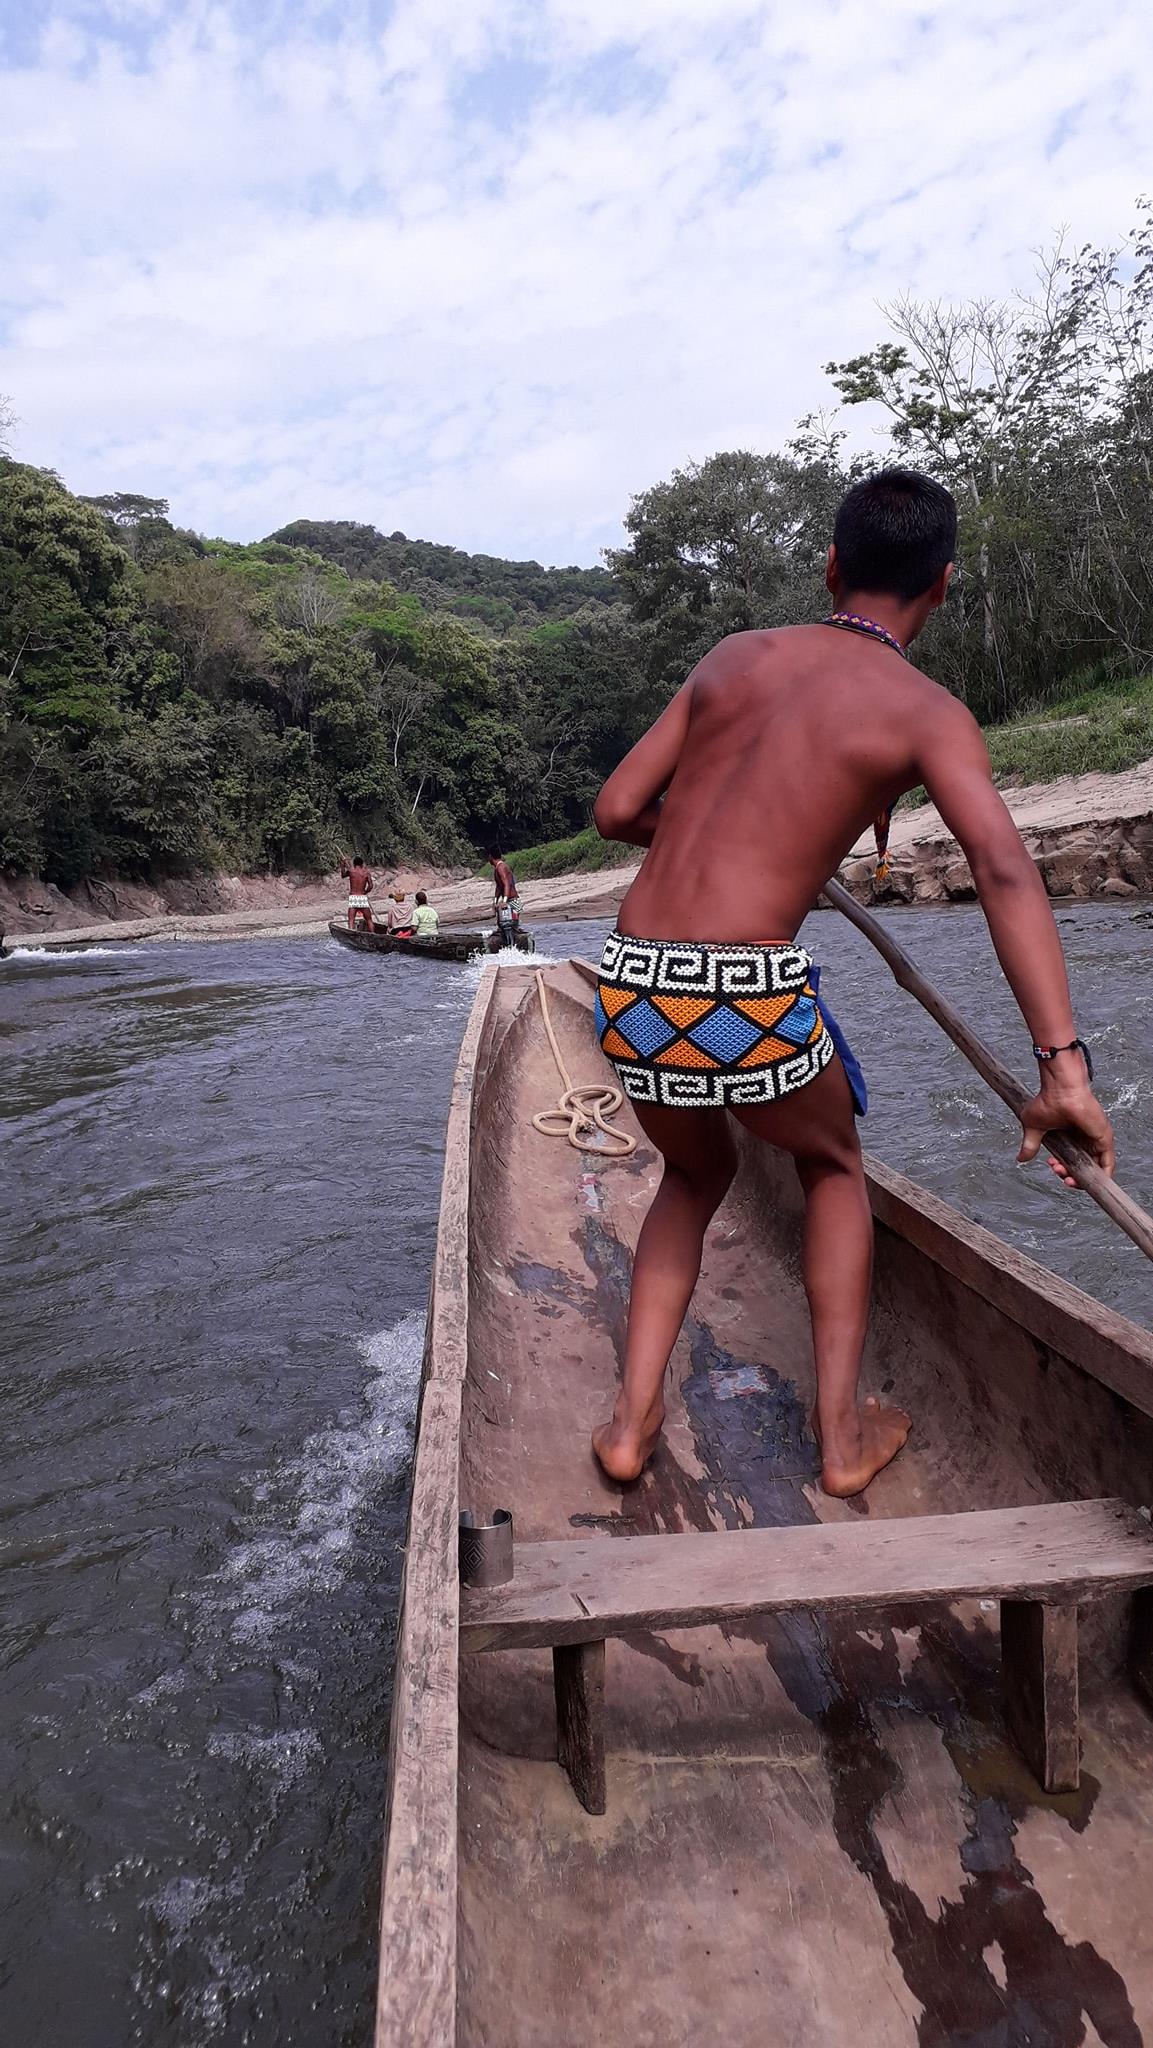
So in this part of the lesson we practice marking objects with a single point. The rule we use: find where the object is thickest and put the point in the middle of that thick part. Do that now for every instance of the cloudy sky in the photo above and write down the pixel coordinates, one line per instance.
(480, 269)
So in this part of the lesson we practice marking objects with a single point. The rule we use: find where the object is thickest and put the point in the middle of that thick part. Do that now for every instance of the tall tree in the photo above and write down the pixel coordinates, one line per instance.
(1039, 413)
(725, 545)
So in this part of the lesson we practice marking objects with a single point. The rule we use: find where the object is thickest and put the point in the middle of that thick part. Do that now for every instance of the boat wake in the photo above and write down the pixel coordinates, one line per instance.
(305, 1513)
(281, 1700)
(509, 958)
(46, 957)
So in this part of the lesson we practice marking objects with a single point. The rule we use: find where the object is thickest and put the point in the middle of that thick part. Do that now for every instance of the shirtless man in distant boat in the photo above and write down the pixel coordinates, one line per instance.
(506, 902)
(359, 891)
(749, 791)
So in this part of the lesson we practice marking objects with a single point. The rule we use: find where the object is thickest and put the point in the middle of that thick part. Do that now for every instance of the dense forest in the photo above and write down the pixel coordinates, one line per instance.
(482, 588)
(170, 702)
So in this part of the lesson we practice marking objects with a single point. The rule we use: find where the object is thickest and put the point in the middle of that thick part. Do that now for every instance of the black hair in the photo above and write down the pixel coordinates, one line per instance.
(894, 533)
(421, 897)
(493, 853)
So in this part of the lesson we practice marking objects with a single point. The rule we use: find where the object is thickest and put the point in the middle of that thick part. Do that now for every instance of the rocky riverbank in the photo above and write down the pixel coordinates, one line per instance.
(1091, 836)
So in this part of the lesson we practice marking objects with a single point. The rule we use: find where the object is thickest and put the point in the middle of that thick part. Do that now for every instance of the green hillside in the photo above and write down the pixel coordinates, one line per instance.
(485, 589)
(170, 702)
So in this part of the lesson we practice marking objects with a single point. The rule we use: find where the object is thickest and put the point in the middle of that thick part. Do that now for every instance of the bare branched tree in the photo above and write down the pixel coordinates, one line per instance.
(1038, 411)
(401, 697)
(311, 603)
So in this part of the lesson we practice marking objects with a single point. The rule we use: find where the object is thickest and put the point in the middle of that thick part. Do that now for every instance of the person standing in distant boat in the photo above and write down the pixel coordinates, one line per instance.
(425, 920)
(748, 792)
(506, 902)
(359, 891)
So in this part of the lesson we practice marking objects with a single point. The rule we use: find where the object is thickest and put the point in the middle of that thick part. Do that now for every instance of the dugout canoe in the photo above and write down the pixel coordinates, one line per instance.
(818, 1829)
(445, 947)
(455, 946)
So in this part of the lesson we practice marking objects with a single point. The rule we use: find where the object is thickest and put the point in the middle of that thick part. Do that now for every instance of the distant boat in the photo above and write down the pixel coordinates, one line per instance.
(446, 946)
(789, 1820)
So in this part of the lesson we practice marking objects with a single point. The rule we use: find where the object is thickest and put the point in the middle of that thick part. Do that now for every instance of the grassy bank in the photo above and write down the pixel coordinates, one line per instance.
(1102, 728)
(583, 852)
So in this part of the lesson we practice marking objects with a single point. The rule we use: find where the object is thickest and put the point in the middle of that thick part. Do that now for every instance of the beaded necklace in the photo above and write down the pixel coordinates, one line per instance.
(855, 622)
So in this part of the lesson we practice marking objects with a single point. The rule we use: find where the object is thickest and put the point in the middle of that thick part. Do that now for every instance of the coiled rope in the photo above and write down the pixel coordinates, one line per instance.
(581, 1112)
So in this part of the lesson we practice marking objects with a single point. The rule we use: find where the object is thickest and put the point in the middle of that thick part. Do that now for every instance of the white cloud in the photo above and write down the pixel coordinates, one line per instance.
(482, 271)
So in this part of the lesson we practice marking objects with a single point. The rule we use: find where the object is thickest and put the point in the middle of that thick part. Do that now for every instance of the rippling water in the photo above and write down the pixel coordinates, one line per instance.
(221, 1169)
(931, 1116)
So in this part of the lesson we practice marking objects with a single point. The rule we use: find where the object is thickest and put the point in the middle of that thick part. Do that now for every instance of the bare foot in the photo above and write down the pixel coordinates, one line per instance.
(855, 1457)
(624, 1447)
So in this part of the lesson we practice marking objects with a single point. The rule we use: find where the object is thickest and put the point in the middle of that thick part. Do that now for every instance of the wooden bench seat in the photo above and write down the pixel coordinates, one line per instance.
(1038, 1561)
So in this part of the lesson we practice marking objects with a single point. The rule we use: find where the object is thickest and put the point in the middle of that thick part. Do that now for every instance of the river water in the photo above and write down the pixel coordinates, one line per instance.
(221, 1170)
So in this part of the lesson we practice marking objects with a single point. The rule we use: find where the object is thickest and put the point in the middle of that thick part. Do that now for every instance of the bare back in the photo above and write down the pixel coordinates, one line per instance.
(795, 739)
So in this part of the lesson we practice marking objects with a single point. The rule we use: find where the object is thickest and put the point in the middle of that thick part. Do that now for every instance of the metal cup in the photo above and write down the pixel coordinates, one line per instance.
(485, 1547)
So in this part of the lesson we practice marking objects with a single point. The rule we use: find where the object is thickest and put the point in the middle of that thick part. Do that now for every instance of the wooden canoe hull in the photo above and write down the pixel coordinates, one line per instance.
(816, 1831)
(453, 946)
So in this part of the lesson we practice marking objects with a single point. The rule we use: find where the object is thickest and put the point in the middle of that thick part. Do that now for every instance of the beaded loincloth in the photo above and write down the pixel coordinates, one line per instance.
(695, 1026)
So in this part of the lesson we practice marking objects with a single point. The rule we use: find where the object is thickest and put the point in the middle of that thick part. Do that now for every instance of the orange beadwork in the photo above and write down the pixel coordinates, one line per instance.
(766, 1010)
(682, 1011)
(682, 1053)
(616, 999)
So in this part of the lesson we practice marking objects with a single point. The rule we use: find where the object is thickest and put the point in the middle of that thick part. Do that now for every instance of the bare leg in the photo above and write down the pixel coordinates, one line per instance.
(700, 1160)
(816, 1125)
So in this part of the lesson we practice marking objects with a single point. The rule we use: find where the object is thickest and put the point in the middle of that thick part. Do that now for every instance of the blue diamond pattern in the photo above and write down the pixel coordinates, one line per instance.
(599, 1018)
(645, 1028)
(724, 1034)
(797, 1023)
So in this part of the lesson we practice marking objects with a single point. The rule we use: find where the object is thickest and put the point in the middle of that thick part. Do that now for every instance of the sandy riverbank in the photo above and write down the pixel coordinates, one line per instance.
(1091, 836)
(29, 906)
(464, 904)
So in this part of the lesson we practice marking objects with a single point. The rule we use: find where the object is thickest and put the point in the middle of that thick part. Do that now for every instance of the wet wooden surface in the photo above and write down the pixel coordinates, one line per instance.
(1039, 1672)
(578, 1590)
(579, 1684)
(818, 1830)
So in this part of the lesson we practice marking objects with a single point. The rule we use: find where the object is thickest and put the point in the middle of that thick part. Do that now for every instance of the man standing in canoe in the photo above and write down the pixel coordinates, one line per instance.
(359, 878)
(506, 902)
(749, 791)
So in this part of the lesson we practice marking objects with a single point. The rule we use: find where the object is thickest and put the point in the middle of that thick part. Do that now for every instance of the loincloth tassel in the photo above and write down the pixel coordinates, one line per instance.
(881, 825)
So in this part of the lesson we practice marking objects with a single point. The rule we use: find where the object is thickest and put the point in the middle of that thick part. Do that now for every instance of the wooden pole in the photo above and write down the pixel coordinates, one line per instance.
(1127, 1213)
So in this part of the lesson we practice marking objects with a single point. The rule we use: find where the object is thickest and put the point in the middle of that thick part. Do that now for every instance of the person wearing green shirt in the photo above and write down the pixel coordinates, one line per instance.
(425, 920)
